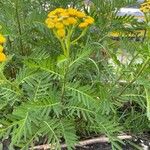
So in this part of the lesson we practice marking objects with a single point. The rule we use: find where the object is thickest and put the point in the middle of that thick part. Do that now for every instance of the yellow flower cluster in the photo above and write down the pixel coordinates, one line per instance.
(59, 19)
(145, 7)
(2, 55)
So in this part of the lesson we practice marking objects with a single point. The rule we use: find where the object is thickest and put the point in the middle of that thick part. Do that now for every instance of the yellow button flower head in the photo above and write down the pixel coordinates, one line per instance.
(51, 25)
(55, 19)
(72, 20)
(59, 10)
(2, 57)
(51, 14)
(83, 25)
(60, 19)
(2, 39)
(59, 25)
(61, 33)
(66, 22)
(89, 20)
(80, 14)
(64, 15)
(72, 11)
(1, 48)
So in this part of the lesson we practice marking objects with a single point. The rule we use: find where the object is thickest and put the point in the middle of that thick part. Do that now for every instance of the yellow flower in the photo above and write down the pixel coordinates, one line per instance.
(51, 14)
(83, 25)
(2, 57)
(59, 25)
(65, 22)
(89, 20)
(80, 14)
(2, 39)
(59, 10)
(72, 20)
(1, 48)
(55, 19)
(61, 32)
(72, 11)
(64, 14)
(51, 25)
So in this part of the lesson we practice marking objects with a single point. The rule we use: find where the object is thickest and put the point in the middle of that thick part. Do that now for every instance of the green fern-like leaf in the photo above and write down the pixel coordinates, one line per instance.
(69, 133)
(45, 65)
(81, 94)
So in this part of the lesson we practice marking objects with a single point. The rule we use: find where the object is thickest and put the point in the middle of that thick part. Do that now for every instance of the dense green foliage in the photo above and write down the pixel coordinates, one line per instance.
(103, 88)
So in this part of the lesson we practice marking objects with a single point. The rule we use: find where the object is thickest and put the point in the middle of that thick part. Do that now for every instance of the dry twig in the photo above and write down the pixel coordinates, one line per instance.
(102, 139)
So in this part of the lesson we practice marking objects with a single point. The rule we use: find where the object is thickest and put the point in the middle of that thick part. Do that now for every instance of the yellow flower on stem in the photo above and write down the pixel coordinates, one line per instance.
(89, 20)
(64, 15)
(59, 20)
(51, 25)
(80, 14)
(59, 25)
(61, 33)
(55, 19)
(72, 11)
(59, 10)
(2, 57)
(1, 48)
(51, 14)
(65, 22)
(72, 20)
(83, 25)
(2, 39)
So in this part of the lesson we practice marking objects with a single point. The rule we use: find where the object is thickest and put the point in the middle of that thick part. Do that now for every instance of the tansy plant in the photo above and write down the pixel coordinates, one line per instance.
(47, 100)
(63, 23)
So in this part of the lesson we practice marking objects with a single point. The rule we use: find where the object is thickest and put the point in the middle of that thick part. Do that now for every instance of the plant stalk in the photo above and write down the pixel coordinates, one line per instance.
(19, 29)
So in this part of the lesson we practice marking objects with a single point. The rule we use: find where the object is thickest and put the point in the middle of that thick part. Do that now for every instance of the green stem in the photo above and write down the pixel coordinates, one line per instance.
(67, 43)
(19, 28)
(63, 44)
(136, 77)
(147, 91)
(145, 32)
(64, 83)
(64, 48)
(68, 40)
(2, 77)
(79, 37)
